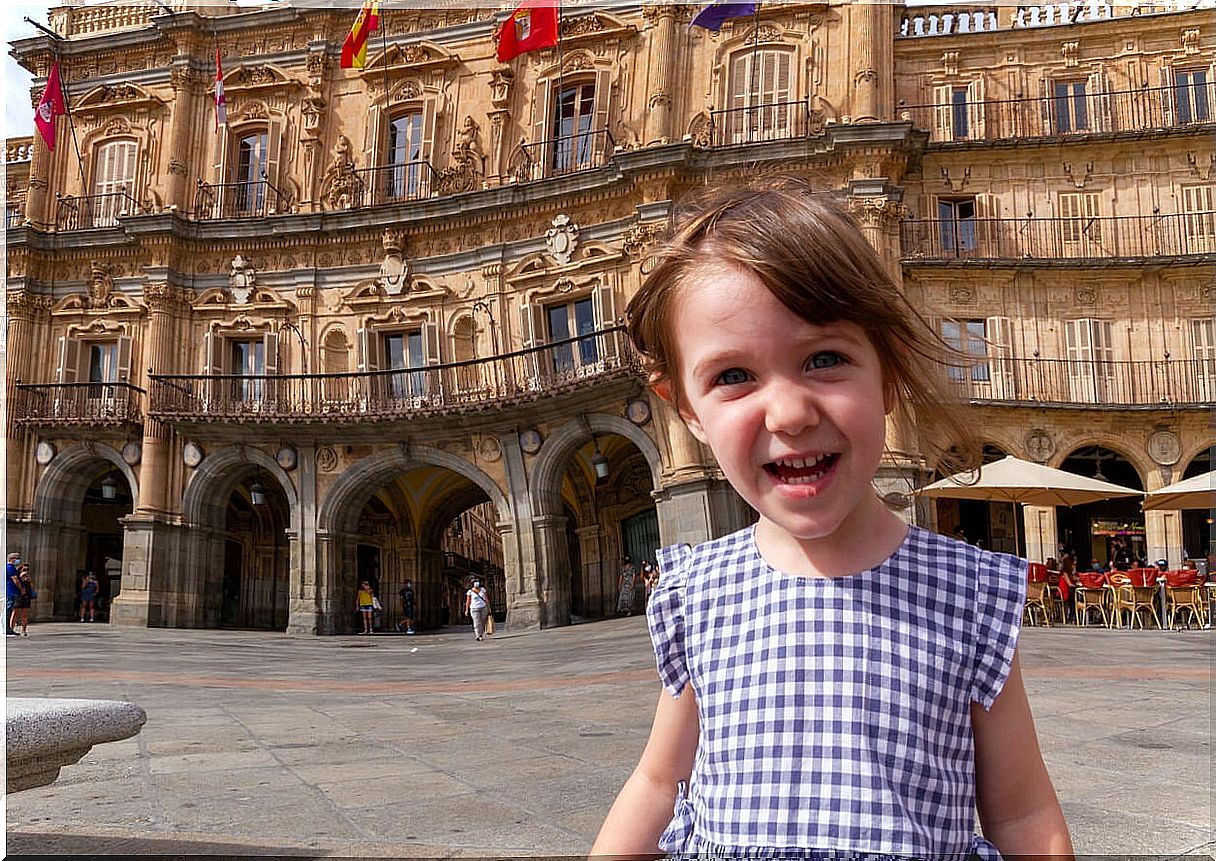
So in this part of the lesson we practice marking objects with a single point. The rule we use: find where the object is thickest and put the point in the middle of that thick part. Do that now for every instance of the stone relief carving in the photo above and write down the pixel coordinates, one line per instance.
(639, 237)
(241, 280)
(500, 87)
(339, 184)
(101, 284)
(469, 161)
(1040, 445)
(395, 268)
(562, 238)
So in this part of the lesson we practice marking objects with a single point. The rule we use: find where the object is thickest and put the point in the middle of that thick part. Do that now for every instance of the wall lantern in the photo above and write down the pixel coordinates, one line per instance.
(599, 462)
(109, 488)
(257, 493)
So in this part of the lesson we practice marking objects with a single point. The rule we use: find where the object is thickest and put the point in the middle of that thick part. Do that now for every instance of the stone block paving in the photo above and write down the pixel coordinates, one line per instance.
(439, 746)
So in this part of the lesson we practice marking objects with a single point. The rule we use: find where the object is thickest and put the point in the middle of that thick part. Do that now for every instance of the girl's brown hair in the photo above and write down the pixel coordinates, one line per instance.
(807, 251)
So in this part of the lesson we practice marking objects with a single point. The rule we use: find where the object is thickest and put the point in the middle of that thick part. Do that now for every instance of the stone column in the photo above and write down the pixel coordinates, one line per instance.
(1163, 537)
(26, 312)
(147, 543)
(186, 86)
(866, 20)
(662, 50)
(1039, 527)
(304, 601)
(552, 570)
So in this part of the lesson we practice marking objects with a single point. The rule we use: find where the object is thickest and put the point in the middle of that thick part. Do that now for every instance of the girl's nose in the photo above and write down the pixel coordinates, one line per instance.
(791, 410)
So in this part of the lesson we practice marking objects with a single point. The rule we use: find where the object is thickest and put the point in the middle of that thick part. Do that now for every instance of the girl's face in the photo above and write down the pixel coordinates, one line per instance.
(794, 412)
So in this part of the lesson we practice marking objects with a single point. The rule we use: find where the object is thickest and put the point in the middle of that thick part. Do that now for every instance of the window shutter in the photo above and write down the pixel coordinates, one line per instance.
(274, 152)
(69, 360)
(123, 372)
(366, 352)
(373, 153)
(976, 110)
(1211, 93)
(430, 344)
(223, 170)
(532, 325)
(988, 234)
(430, 110)
(599, 128)
(999, 332)
(603, 303)
(542, 109)
(211, 354)
(1097, 94)
(1167, 94)
(943, 123)
(270, 354)
(1045, 106)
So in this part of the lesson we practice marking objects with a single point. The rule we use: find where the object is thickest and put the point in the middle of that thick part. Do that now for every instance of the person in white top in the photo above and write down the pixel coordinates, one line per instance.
(477, 605)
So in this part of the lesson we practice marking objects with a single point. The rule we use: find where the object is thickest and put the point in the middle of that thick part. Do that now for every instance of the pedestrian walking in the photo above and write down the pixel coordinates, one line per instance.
(365, 600)
(626, 584)
(12, 591)
(21, 606)
(477, 607)
(407, 608)
(860, 704)
(88, 597)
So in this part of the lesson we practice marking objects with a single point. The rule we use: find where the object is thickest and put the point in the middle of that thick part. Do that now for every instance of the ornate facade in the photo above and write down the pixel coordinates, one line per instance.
(372, 326)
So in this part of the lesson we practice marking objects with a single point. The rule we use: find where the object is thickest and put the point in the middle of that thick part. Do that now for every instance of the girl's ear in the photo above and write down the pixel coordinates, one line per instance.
(890, 396)
(663, 389)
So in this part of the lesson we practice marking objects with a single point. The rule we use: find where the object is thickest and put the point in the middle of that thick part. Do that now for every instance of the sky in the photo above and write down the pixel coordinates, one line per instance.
(18, 110)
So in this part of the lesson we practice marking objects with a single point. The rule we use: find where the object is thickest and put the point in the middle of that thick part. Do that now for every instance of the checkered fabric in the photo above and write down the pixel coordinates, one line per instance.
(835, 713)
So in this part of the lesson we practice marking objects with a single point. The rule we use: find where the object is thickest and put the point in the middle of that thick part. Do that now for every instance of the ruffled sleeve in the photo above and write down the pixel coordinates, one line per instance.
(665, 615)
(1000, 598)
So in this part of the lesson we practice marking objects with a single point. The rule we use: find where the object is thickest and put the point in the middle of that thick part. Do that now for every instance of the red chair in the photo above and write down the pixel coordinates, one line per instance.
(1091, 595)
(1140, 596)
(1185, 593)
(1142, 577)
(1037, 572)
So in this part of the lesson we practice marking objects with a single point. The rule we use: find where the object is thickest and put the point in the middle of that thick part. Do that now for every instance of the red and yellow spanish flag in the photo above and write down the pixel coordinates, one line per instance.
(354, 49)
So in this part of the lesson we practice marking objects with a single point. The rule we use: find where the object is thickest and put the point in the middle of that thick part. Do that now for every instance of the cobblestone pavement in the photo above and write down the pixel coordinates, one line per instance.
(439, 746)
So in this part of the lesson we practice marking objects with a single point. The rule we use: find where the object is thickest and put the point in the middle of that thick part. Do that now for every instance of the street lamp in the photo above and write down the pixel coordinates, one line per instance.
(599, 462)
(257, 493)
(109, 488)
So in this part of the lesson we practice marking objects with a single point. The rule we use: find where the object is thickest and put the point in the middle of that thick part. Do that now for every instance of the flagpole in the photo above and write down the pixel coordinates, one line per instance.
(561, 86)
(755, 65)
(67, 103)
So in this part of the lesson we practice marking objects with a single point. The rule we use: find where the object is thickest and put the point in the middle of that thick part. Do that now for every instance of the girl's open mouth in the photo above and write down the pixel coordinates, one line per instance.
(801, 470)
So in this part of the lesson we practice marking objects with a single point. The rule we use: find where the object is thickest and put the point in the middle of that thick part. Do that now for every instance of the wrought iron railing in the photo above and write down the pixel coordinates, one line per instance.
(1067, 113)
(471, 385)
(94, 210)
(1059, 238)
(98, 404)
(759, 123)
(1092, 383)
(566, 154)
(247, 199)
(391, 183)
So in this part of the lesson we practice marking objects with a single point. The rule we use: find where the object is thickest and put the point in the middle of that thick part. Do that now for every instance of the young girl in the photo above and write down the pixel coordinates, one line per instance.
(834, 683)
(365, 600)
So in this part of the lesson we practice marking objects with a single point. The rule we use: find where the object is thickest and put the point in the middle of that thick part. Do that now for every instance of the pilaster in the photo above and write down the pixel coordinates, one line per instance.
(695, 511)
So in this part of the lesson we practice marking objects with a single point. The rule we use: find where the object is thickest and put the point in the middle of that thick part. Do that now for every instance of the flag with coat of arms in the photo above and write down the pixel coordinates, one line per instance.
(532, 26)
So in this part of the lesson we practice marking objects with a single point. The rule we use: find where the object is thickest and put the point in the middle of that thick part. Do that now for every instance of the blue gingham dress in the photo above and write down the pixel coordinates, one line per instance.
(834, 713)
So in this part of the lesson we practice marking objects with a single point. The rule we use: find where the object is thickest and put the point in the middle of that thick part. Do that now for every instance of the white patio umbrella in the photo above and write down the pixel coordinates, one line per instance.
(1193, 492)
(1012, 479)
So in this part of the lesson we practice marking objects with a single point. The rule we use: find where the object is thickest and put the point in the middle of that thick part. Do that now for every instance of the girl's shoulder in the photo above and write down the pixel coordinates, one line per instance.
(707, 562)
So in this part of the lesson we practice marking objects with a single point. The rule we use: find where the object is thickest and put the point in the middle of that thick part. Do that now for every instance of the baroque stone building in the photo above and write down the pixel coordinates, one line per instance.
(371, 327)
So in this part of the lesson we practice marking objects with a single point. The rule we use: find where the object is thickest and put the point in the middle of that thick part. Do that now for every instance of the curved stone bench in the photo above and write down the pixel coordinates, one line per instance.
(43, 735)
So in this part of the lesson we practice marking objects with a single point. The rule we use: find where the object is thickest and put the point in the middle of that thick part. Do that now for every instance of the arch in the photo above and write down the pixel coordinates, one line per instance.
(1204, 449)
(364, 477)
(1117, 444)
(206, 498)
(554, 455)
(431, 527)
(60, 491)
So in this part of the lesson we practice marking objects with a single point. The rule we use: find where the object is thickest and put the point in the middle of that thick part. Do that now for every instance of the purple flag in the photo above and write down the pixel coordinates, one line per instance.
(717, 13)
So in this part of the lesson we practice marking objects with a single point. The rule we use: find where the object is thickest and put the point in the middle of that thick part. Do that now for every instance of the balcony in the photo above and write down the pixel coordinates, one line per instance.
(248, 199)
(1110, 238)
(435, 390)
(771, 121)
(563, 155)
(77, 405)
(1066, 114)
(1089, 384)
(393, 183)
(95, 210)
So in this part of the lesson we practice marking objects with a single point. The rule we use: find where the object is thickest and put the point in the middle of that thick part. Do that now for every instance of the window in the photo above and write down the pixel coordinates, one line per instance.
(574, 319)
(573, 138)
(967, 337)
(251, 162)
(760, 106)
(405, 179)
(1191, 96)
(248, 359)
(957, 221)
(1079, 217)
(1070, 107)
(103, 368)
(403, 350)
(958, 113)
(1203, 346)
(1199, 218)
(1091, 369)
(113, 180)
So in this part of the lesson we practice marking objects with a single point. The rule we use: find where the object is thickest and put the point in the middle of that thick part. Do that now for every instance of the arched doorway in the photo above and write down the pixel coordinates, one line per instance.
(80, 502)
(1091, 531)
(1197, 541)
(254, 585)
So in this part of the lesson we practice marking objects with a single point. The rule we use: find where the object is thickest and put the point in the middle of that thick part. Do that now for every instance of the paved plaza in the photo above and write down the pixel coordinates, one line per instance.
(436, 745)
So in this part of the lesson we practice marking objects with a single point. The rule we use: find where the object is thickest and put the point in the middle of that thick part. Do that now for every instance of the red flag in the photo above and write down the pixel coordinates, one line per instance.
(532, 26)
(354, 49)
(221, 105)
(50, 106)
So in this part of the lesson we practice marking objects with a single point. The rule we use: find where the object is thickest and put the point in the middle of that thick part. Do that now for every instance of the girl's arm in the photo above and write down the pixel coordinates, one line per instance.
(1017, 804)
(644, 805)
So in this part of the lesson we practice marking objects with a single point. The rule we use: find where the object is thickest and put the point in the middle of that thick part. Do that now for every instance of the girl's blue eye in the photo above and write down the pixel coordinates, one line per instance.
(820, 361)
(732, 377)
